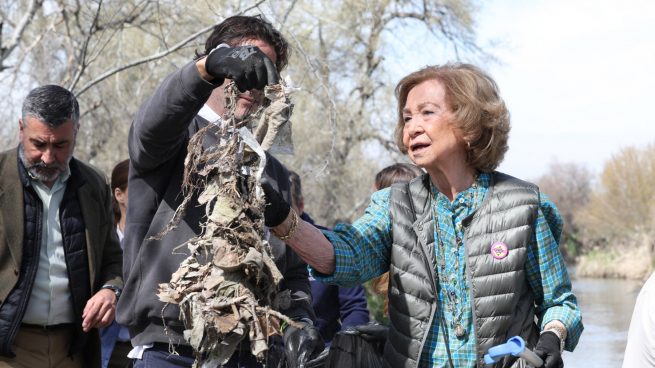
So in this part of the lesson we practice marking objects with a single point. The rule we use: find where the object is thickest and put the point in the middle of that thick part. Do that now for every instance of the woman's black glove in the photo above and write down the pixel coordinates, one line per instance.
(247, 66)
(302, 345)
(548, 349)
(277, 209)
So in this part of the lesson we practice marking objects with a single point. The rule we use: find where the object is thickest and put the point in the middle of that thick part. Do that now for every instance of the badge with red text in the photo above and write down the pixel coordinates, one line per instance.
(499, 250)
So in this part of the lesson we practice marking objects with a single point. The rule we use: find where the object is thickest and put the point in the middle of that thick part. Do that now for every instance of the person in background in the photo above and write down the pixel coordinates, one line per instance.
(396, 173)
(116, 338)
(60, 262)
(640, 348)
(250, 52)
(119, 200)
(336, 308)
(472, 253)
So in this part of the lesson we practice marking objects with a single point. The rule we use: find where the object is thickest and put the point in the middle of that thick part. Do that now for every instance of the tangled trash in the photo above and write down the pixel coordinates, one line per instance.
(227, 288)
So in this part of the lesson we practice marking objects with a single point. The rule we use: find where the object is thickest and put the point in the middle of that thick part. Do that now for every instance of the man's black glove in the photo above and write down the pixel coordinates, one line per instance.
(548, 349)
(247, 66)
(301, 345)
(277, 209)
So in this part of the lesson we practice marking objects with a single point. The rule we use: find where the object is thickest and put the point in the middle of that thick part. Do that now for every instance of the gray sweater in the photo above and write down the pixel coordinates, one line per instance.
(158, 145)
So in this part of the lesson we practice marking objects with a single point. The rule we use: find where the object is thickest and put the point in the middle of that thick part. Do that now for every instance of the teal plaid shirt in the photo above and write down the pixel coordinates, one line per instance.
(362, 252)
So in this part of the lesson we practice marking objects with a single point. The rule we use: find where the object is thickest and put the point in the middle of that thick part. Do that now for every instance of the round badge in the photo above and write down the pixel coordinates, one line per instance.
(499, 250)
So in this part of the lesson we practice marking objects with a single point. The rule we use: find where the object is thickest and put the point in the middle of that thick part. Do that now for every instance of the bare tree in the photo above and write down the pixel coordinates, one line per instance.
(17, 30)
(621, 206)
(345, 114)
(568, 185)
(113, 54)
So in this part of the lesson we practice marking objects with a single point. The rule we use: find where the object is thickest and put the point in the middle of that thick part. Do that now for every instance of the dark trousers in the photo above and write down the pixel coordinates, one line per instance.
(159, 356)
(119, 357)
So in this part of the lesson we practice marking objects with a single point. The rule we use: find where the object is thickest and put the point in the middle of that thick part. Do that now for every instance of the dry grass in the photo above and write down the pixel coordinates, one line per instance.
(628, 260)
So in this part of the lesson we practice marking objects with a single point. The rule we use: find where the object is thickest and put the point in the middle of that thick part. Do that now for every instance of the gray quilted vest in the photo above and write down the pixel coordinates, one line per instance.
(501, 298)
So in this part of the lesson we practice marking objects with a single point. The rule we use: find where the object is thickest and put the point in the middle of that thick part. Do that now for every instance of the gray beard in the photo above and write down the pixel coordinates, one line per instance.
(41, 171)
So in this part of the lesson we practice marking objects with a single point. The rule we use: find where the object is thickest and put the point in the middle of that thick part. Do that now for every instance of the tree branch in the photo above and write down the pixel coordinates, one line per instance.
(156, 56)
(286, 14)
(15, 39)
(85, 48)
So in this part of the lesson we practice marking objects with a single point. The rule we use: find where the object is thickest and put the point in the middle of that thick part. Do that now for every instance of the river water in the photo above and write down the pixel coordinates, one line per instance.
(606, 311)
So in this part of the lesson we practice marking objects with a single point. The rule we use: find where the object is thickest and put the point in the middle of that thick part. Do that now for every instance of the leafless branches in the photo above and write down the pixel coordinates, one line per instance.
(152, 57)
(19, 30)
(113, 54)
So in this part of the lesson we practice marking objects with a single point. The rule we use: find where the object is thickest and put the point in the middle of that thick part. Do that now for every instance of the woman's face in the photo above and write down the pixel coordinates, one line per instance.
(430, 139)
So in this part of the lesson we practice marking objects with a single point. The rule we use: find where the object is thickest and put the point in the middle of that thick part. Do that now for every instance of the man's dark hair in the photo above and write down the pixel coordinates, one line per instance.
(51, 104)
(238, 28)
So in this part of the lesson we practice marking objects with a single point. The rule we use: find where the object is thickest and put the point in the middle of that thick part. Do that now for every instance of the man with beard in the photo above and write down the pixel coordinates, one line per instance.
(60, 261)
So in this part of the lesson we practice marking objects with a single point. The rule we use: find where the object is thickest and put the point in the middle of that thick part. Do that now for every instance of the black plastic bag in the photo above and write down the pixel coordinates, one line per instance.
(358, 346)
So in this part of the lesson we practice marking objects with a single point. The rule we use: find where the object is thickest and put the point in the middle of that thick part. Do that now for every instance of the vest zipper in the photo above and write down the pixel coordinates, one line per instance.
(32, 271)
(433, 307)
(469, 275)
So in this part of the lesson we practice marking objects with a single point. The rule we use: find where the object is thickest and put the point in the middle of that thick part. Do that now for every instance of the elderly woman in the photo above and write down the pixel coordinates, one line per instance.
(472, 253)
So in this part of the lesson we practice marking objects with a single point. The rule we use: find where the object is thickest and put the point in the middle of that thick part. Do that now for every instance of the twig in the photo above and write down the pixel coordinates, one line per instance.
(85, 47)
(156, 56)
(333, 114)
(33, 6)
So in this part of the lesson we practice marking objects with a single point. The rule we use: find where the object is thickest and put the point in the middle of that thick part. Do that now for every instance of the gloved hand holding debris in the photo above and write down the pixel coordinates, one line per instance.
(301, 344)
(247, 66)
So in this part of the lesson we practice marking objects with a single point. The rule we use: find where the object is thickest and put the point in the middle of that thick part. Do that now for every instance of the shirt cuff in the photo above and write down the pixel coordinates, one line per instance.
(571, 322)
(340, 270)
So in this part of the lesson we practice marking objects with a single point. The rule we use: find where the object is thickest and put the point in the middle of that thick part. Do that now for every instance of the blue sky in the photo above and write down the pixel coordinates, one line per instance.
(578, 77)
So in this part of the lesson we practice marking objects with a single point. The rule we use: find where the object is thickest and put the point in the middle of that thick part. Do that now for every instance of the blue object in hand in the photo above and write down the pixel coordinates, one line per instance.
(514, 346)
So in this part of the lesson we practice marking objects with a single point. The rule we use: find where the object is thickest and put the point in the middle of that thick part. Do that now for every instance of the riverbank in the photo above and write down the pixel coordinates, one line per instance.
(636, 263)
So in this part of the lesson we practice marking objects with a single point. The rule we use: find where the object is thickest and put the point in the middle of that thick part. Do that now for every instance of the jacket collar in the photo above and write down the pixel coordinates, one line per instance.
(13, 181)
(11, 205)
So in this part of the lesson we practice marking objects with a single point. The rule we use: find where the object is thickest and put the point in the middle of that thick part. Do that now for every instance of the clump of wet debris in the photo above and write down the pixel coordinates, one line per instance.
(227, 288)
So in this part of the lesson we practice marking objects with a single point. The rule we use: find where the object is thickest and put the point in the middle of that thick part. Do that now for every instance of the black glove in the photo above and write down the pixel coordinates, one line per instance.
(277, 209)
(373, 332)
(301, 345)
(247, 66)
(548, 349)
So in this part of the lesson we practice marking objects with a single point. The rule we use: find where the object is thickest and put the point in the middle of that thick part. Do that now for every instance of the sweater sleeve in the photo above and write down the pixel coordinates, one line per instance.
(160, 126)
(352, 306)
(362, 250)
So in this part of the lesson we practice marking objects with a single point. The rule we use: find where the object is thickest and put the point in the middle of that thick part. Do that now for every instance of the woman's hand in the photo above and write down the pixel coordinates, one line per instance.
(548, 349)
